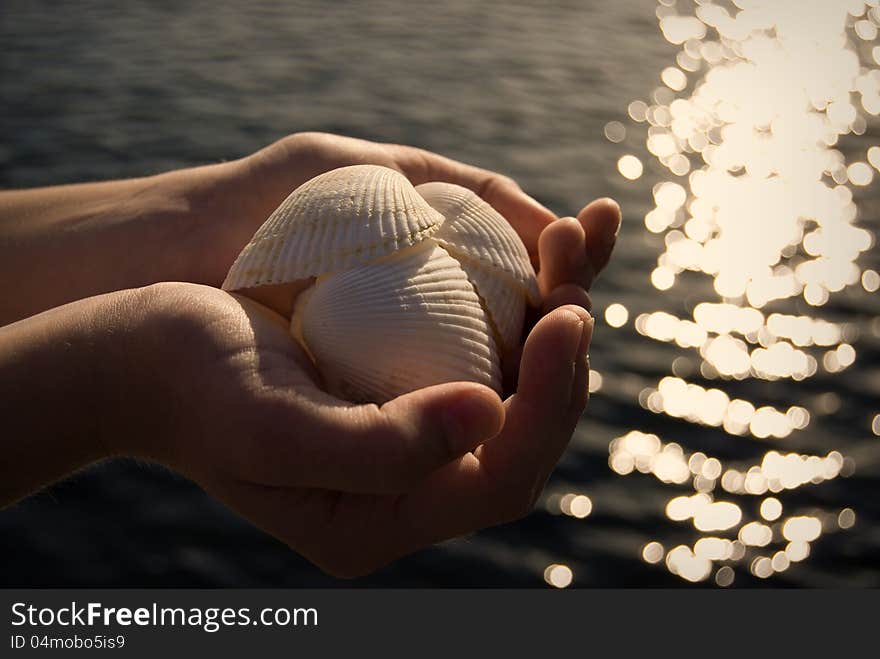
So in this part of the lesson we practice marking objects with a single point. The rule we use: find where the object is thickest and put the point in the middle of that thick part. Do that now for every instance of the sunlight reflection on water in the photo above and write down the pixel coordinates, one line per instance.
(747, 122)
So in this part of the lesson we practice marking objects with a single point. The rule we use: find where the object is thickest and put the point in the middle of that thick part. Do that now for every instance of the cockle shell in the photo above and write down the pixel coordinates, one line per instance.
(490, 252)
(406, 321)
(415, 286)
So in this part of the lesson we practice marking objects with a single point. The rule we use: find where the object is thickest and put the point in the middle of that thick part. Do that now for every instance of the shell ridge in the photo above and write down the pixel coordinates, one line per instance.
(336, 220)
(436, 336)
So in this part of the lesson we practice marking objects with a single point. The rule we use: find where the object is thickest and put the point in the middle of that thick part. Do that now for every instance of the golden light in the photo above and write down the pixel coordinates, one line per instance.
(674, 78)
(755, 534)
(755, 196)
(616, 315)
(724, 577)
(846, 519)
(595, 381)
(690, 567)
(630, 167)
(859, 173)
(637, 111)
(662, 278)
(576, 505)
(780, 561)
(718, 516)
(802, 529)
(762, 567)
(797, 551)
(653, 552)
(713, 549)
(558, 575)
(771, 509)
(615, 131)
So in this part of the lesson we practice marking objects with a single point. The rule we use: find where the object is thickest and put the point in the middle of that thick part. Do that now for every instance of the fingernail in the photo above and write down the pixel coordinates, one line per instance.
(575, 332)
(469, 422)
(619, 217)
(608, 201)
(586, 337)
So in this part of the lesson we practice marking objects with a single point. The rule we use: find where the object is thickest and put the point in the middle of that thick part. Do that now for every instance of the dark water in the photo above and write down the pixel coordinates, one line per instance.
(112, 90)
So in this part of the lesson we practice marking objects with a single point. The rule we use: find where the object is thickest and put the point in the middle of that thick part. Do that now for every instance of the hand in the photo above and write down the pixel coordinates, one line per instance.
(566, 251)
(233, 405)
(212, 385)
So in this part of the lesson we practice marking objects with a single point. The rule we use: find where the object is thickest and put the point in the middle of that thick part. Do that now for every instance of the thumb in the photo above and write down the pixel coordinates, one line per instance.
(365, 448)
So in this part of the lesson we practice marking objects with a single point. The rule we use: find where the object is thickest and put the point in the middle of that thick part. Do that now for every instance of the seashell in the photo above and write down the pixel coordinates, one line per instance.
(474, 230)
(503, 301)
(414, 286)
(399, 323)
(339, 219)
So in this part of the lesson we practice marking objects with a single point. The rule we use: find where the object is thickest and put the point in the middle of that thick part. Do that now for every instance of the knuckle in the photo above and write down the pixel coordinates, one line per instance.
(497, 182)
(507, 182)
(396, 471)
(308, 138)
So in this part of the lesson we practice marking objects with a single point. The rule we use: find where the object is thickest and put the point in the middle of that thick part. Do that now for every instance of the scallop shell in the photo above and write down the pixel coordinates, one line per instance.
(474, 230)
(339, 219)
(402, 322)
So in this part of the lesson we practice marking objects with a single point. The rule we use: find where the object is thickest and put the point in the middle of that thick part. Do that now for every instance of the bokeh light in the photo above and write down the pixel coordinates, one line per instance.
(755, 212)
(558, 575)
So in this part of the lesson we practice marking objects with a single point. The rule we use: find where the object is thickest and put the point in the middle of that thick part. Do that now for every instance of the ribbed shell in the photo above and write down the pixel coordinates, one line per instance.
(501, 298)
(339, 219)
(475, 230)
(400, 323)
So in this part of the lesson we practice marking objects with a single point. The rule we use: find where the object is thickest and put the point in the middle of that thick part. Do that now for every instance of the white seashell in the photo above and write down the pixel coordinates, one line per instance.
(339, 219)
(503, 301)
(415, 286)
(399, 323)
(476, 231)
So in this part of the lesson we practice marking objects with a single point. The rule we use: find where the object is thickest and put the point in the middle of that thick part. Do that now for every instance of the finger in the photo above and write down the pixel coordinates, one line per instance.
(526, 215)
(560, 296)
(562, 254)
(601, 220)
(324, 442)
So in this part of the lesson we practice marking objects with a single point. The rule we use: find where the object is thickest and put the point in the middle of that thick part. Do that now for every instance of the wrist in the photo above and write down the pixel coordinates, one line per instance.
(198, 219)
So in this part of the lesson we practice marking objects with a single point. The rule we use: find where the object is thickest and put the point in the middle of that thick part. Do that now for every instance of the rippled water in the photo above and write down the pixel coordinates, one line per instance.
(732, 435)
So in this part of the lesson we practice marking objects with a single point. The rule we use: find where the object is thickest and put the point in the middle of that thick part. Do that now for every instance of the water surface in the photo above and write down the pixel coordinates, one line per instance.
(700, 460)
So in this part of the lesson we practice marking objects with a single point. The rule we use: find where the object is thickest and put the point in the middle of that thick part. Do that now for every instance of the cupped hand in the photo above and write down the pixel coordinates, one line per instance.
(352, 487)
(234, 406)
